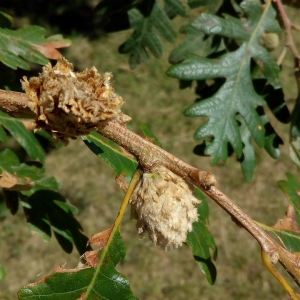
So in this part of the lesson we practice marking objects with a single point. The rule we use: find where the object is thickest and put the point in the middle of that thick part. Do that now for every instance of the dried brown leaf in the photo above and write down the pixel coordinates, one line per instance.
(295, 27)
(13, 183)
(289, 222)
(82, 297)
(101, 238)
(59, 269)
(122, 182)
(49, 49)
(90, 258)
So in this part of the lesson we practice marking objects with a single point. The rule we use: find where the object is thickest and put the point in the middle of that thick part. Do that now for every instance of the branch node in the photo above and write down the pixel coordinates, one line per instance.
(207, 180)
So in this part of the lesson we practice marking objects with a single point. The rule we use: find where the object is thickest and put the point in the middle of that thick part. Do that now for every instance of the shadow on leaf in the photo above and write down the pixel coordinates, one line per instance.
(47, 210)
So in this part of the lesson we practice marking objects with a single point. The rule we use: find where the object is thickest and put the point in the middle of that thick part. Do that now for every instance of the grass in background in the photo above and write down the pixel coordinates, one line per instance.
(154, 99)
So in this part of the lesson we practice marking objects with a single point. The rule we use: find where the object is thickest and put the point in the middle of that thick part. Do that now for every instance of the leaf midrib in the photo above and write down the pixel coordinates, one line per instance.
(246, 58)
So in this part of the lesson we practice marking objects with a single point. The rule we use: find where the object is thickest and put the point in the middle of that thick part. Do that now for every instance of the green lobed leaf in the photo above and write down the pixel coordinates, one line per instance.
(102, 282)
(67, 207)
(194, 42)
(36, 215)
(208, 268)
(178, 7)
(277, 104)
(48, 183)
(28, 43)
(214, 25)
(197, 3)
(47, 210)
(223, 107)
(29, 170)
(8, 160)
(149, 22)
(26, 138)
(110, 152)
(287, 229)
(290, 239)
(146, 19)
(17, 45)
(3, 135)
(272, 142)
(272, 139)
(237, 96)
(201, 241)
(291, 188)
(248, 161)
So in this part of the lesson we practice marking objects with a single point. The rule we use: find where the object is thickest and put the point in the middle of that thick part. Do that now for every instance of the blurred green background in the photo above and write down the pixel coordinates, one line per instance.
(155, 100)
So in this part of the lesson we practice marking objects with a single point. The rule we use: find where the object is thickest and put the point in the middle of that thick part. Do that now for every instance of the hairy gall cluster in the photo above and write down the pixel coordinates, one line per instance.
(164, 206)
(68, 103)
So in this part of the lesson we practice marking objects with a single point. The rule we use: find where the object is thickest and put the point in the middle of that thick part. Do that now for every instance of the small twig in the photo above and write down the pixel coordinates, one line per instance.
(269, 261)
(288, 26)
(148, 154)
(16, 104)
(281, 56)
(289, 39)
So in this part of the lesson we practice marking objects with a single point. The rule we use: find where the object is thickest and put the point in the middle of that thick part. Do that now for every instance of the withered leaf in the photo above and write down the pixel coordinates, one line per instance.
(289, 222)
(82, 297)
(122, 182)
(101, 238)
(90, 258)
(49, 49)
(13, 183)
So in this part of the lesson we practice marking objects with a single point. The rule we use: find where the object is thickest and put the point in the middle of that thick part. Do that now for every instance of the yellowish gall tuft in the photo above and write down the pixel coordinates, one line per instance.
(164, 206)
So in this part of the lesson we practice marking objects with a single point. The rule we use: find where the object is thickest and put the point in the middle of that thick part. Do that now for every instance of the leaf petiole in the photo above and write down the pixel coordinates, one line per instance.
(135, 179)
(102, 257)
(269, 264)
